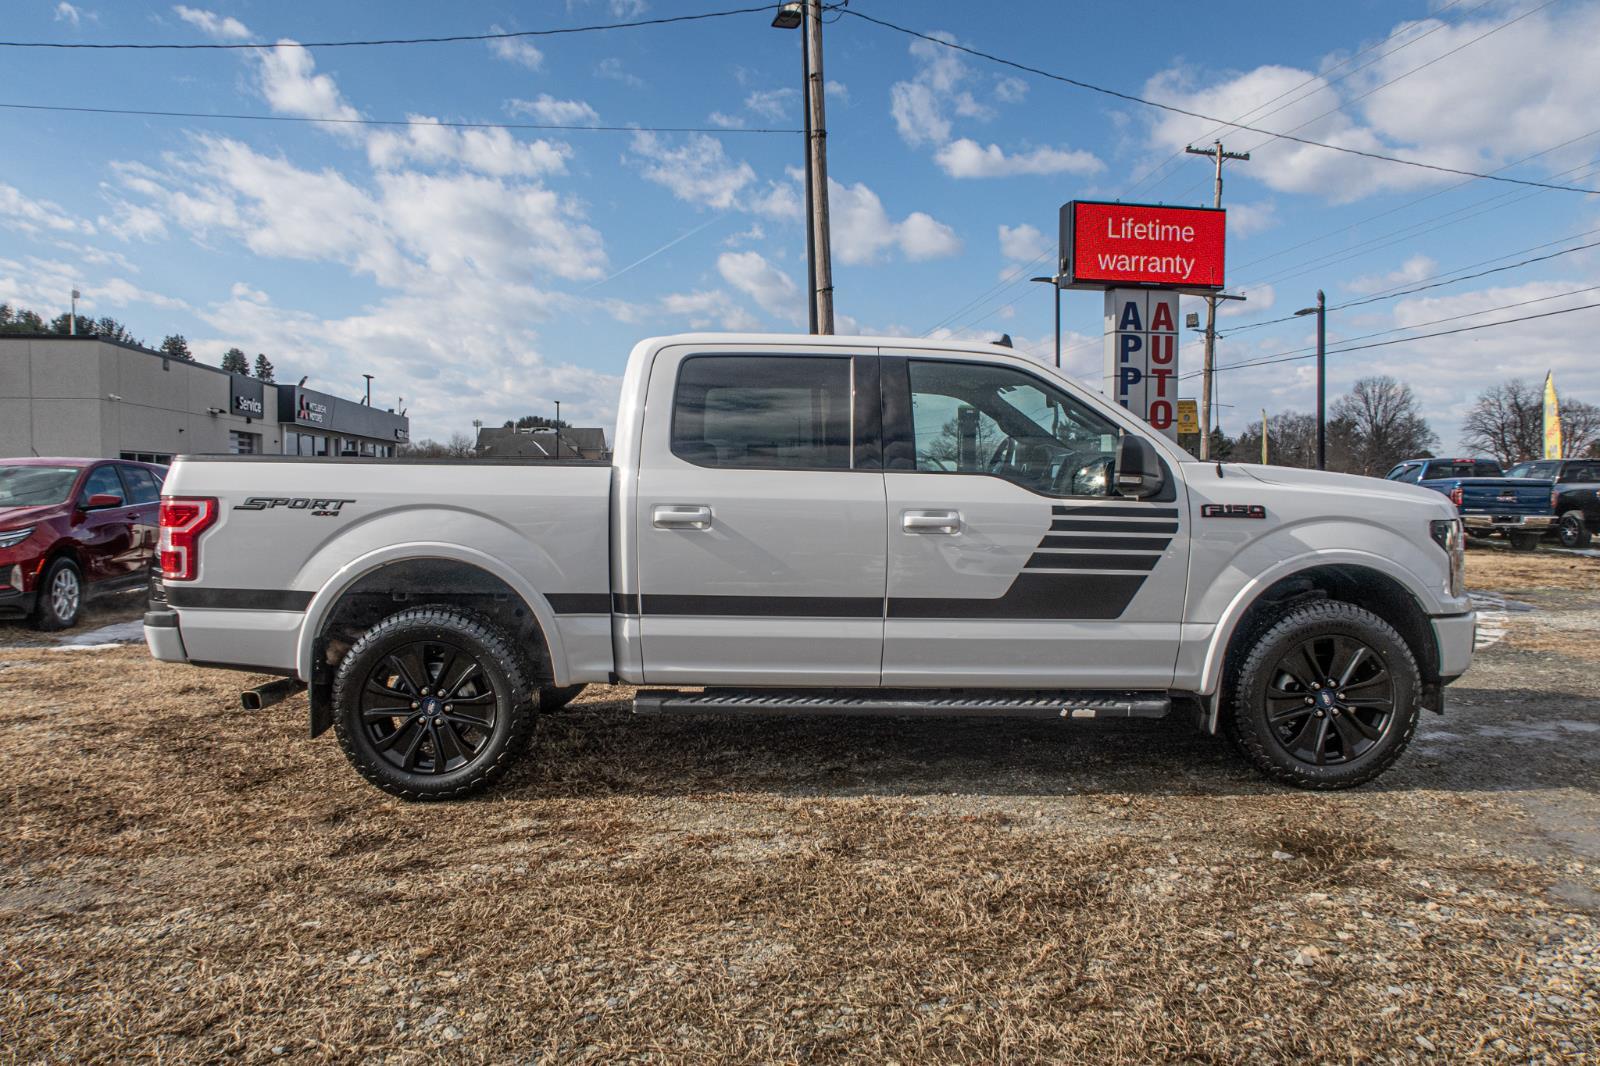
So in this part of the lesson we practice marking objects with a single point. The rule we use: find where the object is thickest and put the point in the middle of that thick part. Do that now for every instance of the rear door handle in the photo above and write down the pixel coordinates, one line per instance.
(681, 516)
(930, 521)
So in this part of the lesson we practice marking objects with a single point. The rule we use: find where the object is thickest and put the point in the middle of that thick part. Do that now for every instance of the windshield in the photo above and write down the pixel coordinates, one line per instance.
(35, 486)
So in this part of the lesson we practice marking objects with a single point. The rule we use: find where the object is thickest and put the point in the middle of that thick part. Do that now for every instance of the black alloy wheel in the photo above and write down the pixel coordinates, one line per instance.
(1573, 531)
(1326, 695)
(428, 707)
(433, 703)
(1331, 700)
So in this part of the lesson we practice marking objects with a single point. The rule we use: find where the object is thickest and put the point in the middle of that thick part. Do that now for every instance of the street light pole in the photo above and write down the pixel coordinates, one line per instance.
(1321, 311)
(1055, 283)
(558, 429)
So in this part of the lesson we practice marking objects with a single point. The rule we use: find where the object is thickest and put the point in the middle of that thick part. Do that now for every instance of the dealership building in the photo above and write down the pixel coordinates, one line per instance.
(87, 396)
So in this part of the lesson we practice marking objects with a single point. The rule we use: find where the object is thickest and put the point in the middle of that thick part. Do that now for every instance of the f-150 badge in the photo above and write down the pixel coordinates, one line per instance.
(1232, 510)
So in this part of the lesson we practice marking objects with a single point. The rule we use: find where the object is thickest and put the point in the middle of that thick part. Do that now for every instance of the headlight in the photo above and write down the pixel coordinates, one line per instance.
(1448, 534)
(12, 537)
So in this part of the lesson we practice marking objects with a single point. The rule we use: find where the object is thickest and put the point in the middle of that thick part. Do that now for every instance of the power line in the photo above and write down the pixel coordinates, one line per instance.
(214, 46)
(1131, 98)
(391, 121)
(1406, 340)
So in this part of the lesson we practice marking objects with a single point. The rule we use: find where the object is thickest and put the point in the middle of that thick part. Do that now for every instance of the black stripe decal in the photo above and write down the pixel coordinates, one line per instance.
(1122, 544)
(1035, 596)
(1118, 512)
(1073, 561)
(238, 599)
(1064, 525)
(580, 602)
(766, 606)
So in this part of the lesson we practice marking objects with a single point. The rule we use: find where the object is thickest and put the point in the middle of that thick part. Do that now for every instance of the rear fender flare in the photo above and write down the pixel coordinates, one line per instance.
(323, 603)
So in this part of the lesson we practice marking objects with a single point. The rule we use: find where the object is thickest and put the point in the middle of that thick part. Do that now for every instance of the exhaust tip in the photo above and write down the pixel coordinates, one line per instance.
(251, 701)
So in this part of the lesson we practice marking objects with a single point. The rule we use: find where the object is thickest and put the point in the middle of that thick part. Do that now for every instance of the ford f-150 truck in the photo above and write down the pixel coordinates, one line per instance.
(823, 525)
(1487, 500)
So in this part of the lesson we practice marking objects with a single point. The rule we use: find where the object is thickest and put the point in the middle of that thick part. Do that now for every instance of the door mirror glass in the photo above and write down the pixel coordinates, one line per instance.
(1138, 468)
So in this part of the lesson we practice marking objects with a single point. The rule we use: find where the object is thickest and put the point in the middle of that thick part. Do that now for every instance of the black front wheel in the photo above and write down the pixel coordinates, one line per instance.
(1573, 531)
(1327, 697)
(433, 703)
(1525, 542)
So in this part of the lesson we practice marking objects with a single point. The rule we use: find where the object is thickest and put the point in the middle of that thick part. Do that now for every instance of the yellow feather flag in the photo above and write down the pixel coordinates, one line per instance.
(1552, 418)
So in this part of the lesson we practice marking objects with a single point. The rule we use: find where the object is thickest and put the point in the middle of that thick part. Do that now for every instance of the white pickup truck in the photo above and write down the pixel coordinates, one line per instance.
(822, 525)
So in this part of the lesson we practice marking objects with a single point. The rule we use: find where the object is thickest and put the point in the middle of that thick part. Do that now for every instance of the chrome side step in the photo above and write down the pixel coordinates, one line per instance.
(910, 703)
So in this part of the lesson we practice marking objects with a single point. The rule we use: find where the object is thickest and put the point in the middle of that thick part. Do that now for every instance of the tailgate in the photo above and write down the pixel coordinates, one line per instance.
(1506, 497)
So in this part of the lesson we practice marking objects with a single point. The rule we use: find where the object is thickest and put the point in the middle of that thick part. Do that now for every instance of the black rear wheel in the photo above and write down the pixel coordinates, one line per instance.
(1327, 697)
(1525, 542)
(1573, 531)
(433, 703)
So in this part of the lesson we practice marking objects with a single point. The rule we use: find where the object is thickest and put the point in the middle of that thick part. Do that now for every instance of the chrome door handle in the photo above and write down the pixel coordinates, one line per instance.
(930, 521)
(681, 516)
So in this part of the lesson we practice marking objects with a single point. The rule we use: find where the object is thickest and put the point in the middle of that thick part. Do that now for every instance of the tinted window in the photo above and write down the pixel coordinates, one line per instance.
(1521, 470)
(103, 480)
(763, 412)
(1581, 472)
(1448, 468)
(142, 485)
(979, 418)
(1410, 472)
(1548, 468)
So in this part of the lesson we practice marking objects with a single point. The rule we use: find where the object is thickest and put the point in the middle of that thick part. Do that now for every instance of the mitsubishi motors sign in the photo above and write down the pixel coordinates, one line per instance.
(1107, 245)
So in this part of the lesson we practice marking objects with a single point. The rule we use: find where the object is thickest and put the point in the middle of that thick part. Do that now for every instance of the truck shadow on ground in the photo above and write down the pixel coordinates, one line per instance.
(603, 748)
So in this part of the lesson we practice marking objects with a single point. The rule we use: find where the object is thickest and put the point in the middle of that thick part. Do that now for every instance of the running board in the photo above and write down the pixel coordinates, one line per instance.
(909, 703)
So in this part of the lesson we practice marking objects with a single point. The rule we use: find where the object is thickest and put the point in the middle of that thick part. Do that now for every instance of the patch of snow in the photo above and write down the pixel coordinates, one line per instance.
(110, 636)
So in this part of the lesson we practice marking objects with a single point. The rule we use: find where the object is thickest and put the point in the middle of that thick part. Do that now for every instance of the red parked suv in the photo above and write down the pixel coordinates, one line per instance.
(71, 529)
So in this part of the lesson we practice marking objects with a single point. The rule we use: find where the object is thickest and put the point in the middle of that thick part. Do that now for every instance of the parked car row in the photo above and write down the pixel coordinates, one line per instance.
(1533, 498)
(72, 530)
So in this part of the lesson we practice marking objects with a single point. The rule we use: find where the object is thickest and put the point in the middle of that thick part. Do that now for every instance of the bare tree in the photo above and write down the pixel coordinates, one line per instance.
(1580, 427)
(1375, 426)
(460, 446)
(1507, 422)
(1291, 441)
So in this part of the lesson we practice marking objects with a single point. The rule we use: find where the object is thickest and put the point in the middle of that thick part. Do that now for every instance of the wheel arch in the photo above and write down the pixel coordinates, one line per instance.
(1361, 582)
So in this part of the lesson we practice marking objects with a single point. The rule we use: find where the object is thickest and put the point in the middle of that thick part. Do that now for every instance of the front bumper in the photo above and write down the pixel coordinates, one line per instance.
(1540, 522)
(1455, 635)
(163, 637)
(16, 603)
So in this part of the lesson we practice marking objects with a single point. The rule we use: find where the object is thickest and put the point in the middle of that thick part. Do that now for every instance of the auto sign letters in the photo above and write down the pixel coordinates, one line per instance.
(1141, 370)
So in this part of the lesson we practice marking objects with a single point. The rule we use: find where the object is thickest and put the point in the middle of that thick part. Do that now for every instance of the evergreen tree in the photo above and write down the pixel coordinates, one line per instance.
(62, 324)
(235, 362)
(112, 330)
(177, 348)
(20, 320)
(264, 368)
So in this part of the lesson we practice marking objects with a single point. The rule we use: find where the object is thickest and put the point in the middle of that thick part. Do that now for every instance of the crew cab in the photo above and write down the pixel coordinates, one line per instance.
(70, 530)
(823, 525)
(1575, 497)
(1488, 501)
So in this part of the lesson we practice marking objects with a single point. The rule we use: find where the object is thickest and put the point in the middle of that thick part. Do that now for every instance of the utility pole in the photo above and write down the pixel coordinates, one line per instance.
(817, 138)
(1217, 152)
(72, 319)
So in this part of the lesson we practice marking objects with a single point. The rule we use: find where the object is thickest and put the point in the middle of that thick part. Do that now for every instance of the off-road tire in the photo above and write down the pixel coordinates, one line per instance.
(1574, 531)
(506, 666)
(45, 616)
(1525, 542)
(1246, 717)
(554, 697)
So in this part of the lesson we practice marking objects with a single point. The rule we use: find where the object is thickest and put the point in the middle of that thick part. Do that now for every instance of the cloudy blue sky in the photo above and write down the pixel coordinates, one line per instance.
(487, 273)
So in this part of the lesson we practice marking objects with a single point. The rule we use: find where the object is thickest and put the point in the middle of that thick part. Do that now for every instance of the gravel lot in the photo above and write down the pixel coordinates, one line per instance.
(181, 881)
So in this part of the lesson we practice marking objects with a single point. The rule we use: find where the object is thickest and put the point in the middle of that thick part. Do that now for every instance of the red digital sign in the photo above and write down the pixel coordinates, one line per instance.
(1109, 245)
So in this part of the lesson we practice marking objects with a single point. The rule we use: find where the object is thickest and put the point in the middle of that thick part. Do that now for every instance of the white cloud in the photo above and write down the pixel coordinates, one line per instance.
(1410, 272)
(863, 230)
(921, 107)
(291, 87)
(1249, 218)
(727, 122)
(770, 288)
(217, 27)
(1010, 90)
(1023, 243)
(698, 171)
(1258, 299)
(967, 159)
(709, 307)
(1546, 91)
(780, 201)
(66, 12)
(771, 104)
(836, 90)
(754, 233)
(516, 50)
(547, 108)
(493, 151)
(30, 216)
(611, 69)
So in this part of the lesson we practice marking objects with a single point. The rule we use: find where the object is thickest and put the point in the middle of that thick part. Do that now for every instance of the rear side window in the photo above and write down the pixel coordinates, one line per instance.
(141, 484)
(1447, 468)
(763, 412)
(1581, 472)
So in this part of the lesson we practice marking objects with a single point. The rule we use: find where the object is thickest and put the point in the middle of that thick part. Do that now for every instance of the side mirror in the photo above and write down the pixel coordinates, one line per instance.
(102, 500)
(1138, 472)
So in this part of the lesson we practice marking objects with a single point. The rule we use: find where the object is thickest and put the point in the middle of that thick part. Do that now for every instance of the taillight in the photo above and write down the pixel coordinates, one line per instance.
(1455, 495)
(183, 519)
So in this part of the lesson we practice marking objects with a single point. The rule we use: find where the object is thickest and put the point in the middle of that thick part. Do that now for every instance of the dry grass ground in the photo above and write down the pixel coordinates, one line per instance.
(180, 881)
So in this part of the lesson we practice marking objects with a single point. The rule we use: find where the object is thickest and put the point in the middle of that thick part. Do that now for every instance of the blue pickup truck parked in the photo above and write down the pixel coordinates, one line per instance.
(1487, 500)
